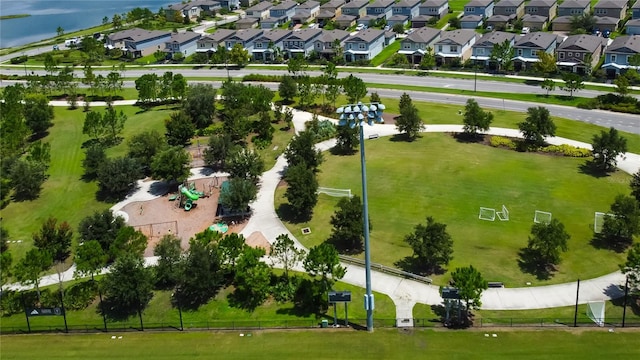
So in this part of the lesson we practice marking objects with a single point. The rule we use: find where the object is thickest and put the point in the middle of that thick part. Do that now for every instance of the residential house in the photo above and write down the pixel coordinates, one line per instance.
(306, 12)
(483, 8)
(244, 37)
(435, 8)
(481, 50)
(398, 19)
(208, 7)
(247, 23)
(138, 42)
(471, 21)
(301, 42)
(389, 37)
(611, 8)
(633, 27)
(357, 8)
(455, 46)
(381, 9)
(272, 22)
(421, 21)
(345, 21)
(635, 10)
(607, 23)
(325, 45)
(259, 10)
(618, 53)
(410, 8)
(177, 12)
(514, 9)
(230, 4)
(499, 22)
(210, 42)
(535, 22)
(545, 8)
(266, 45)
(528, 46)
(329, 11)
(419, 43)
(364, 45)
(567, 10)
(285, 9)
(185, 43)
(580, 53)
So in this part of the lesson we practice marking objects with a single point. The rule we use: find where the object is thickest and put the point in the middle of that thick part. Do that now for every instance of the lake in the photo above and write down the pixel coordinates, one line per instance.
(71, 15)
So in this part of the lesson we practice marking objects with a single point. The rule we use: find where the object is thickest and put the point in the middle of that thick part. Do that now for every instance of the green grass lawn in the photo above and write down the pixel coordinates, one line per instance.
(386, 53)
(457, 5)
(328, 343)
(439, 177)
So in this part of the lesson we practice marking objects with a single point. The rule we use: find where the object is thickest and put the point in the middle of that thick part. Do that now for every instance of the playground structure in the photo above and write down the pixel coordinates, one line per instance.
(188, 195)
(158, 230)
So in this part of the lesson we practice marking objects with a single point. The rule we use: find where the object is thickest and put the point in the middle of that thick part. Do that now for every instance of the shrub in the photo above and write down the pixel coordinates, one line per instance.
(501, 141)
(567, 150)
(10, 303)
(80, 295)
(19, 59)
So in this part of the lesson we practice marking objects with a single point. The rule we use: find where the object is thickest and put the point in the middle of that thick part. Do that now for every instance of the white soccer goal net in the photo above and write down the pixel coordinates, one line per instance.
(504, 214)
(595, 312)
(335, 192)
(598, 221)
(487, 214)
(542, 217)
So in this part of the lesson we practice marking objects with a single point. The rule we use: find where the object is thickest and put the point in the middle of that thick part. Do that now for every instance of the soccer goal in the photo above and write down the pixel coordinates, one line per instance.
(335, 192)
(487, 214)
(598, 221)
(542, 217)
(595, 312)
(504, 214)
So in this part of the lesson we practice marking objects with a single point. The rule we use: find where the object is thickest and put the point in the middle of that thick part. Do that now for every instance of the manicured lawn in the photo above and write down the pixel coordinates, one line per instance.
(440, 177)
(385, 54)
(457, 5)
(328, 343)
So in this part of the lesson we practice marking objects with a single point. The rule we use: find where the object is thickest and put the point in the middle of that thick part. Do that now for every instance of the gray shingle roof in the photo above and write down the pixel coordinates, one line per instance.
(247, 34)
(610, 4)
(539, 39)
(308, 5)
(137, 34)
(479, 3)
(367, 35)
(631, 42)
(381, 3)
(406, 3)
(261, 6)
(356, 4)
(305, 34)
(496, 37)
(275, 35)
(574, 4)
(460, 36)
(434, 3)
(329, 36)
(509, 3)
(219, 35)
(288, 4)
(588, 43)
(181, 38)
(423, 35)
(541, 3)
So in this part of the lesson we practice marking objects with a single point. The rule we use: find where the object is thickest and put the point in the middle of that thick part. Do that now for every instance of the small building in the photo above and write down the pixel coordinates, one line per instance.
(325, 45)
(409, 8)
(514, 9)
(138, 42)
(482, 8)
(245, 38)
(579, 53)
(381, 9)
(635, 10)
(285, 9)
(419, 43)
(209, 43)
(345, 21)
(301, 42)
(545, 8)
(611, 8)
(364, 45)
(357, 8)
(534, 22)
(259, 10)
(266, 45)
(619, 52)
(247, 23)
(606, 23)
(434, 8)
(398, 19)
(421, 21)
(633, 27)
(481, 50)
(471, 21)
(185, 44)
(499, 22)
(574, 7)
(455, 46)
(528, 47)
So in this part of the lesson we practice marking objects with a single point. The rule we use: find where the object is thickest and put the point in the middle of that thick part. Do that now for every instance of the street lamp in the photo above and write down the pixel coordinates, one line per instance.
(358, 115)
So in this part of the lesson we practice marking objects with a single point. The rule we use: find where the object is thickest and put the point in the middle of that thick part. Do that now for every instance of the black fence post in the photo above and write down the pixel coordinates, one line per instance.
(575, 313)
(180, 313)
(624, 306)
(104, 317)
(26, 312)
(64, 312)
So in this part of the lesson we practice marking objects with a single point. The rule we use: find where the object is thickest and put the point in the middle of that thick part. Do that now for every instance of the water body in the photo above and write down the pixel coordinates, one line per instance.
(71, 15)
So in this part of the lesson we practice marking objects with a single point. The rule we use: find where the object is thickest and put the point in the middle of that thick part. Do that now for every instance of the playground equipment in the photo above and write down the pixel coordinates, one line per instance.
(190, 196)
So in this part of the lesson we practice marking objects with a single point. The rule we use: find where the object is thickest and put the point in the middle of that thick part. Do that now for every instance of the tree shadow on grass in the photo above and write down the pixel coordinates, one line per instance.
(403, 137)
(600, 241)
(589, 168)
(287, 213)
(415, 266)
(530, 263)
(466, 138)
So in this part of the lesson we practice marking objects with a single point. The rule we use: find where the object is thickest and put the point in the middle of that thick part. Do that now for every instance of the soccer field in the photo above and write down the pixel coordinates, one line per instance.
(330, 344)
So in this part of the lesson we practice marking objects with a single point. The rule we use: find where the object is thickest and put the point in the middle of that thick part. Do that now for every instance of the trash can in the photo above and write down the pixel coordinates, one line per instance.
(324, 324)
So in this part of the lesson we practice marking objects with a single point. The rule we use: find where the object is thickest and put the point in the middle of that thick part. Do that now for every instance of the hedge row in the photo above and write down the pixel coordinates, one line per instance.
(564, 149)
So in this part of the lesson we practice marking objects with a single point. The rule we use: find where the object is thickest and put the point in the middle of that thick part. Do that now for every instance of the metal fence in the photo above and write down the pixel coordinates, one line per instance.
(386, 269)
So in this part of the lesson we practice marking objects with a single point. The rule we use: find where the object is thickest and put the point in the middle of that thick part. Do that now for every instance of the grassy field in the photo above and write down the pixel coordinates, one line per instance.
(385, 54)
(448, 180)
(328, 343)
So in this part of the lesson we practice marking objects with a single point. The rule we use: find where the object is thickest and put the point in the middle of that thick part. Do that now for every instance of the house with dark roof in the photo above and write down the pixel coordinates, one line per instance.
(410, 8)
(329, 11)
(435, 8)
(210, 42)
(633, 27)
(481, 50)
(345, 21)
(567, 10)
(607, 23)
(535, 22)
(185, 44)
(266, 45)
(483, 8)
(618, 53)
(398, 19)
(471, 21)
(635, 10)
(247, 23)
(611, 8)
(579, 53)
(419, 43)
(380, 9)
(545, 8)
(230, 4)
(422, 21)
(138, 42)
(245, 38)
(272, 22)
(364, 45)
(286, 9)
(455, 46)
(176, 12)
(301, 42)
(499, 22)
(306, 12)
(357, 8)
(514, 9)
(528, 47)
(259, 10)
(325, 45)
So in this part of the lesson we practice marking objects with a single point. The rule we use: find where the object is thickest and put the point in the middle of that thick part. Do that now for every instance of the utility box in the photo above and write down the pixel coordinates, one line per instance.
(324, 324)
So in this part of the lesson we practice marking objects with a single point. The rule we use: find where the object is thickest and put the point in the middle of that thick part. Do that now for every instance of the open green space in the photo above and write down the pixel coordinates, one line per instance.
(16, 16)
(386, 53)
(328, 343)
(440, 177)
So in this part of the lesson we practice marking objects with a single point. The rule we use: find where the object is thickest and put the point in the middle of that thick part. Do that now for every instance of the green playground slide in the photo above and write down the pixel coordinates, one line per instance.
(188, 193)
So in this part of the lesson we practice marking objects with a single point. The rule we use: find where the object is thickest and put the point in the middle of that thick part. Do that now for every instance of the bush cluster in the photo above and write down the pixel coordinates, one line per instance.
(567, 150)
(501, 141)
(19, 59)
(613, 102)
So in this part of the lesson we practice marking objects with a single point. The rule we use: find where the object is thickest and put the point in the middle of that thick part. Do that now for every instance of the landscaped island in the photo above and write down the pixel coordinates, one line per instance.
(16, 16)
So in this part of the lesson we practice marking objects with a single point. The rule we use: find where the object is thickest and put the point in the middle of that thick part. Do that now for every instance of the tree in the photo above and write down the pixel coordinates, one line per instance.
(572, 83)
(346, 139)
(14, 128)
(94, 157)
(398, 28)
(252, 278)
(323, 260)
(55, 239)
(144, 146)
(546, 63)
(582, 24)
(238, 55)
(409, 122)
(114, 84)
(285, 254)
(200, 105)
(432, 246)
(128, 241)
(220, 146)
(94, 125)
(238, 195)
(59, 31)
(171, 164)
(502, 54)
(5, 257)
(263, 129)
(622, 85)
(607, 146)
(179, 87)
(26, 178)
(618, 230)
(301, 150)
(297, 65)
(37, 113)
(50, 64)
(470, 285)
(231, 247)
(347, 221)
(307, 92)
(167, 270)
(548, 85)
(245, 164)
(428, 59)
(179, 128)
(537, 126)
(89, 259)
(475, 119)
(127, 288)
(288, 88)
(148, 88)
(302, 190)
(546, 242)
(635, 186)
(28, 270)
(201, 276)
(631, 268)
(354, 88)
(113, 124)
(116, 22)
(117, 177)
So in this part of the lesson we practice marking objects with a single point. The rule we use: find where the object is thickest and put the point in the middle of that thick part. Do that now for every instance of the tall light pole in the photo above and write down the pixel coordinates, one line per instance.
(358, 115)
